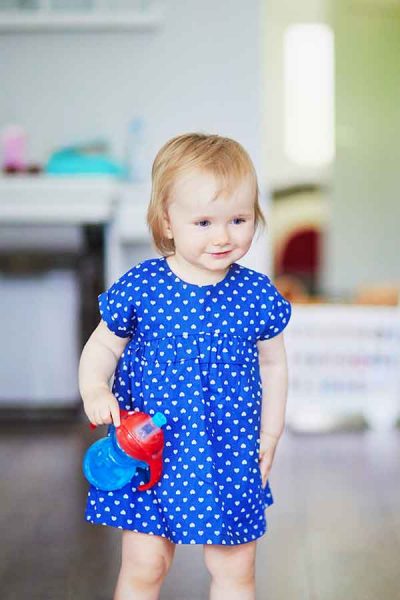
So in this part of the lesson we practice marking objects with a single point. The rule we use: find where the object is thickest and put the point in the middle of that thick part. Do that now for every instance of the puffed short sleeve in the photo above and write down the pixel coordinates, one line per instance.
(116, 307)
(275, 311)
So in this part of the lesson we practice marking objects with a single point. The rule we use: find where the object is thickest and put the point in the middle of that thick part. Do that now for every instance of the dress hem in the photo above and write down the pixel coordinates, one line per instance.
(206, 540)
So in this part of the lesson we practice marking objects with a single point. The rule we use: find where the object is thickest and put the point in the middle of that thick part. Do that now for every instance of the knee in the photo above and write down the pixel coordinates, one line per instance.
(236, 563)
(147, 568)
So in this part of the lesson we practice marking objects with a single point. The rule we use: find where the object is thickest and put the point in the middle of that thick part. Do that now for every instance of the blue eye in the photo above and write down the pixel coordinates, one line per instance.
(205, 222)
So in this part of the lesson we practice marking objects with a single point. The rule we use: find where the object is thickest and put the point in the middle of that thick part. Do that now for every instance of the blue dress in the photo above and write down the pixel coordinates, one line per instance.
(192, 355)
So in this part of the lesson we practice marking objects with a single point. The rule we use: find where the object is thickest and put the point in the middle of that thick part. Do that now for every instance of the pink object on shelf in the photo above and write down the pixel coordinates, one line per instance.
(13, 142)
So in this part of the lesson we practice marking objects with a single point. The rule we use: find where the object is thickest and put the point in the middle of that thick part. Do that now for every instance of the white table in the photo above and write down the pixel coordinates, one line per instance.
(49, 212)
(119, 207)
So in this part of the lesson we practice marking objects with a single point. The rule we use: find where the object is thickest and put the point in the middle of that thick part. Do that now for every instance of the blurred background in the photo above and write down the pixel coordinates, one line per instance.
(90, 90)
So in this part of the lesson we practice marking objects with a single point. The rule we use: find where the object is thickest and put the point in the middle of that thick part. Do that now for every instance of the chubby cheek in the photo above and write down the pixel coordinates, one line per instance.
(189, 239)
(245, 237)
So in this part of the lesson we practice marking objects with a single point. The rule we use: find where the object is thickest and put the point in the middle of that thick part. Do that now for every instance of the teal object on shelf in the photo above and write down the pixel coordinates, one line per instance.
(70, 162)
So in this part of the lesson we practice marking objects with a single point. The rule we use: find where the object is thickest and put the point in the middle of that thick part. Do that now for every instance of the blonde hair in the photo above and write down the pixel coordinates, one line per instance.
(220, 156)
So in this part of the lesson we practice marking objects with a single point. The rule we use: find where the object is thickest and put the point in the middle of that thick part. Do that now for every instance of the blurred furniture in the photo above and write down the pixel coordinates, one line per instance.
(377, 294)
(291, 288)
(298, 219)
(344, 367)
(118, 209)
(299, 256)
(62, 242)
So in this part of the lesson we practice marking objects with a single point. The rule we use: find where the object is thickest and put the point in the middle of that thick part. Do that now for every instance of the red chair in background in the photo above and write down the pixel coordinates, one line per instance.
(299, 256)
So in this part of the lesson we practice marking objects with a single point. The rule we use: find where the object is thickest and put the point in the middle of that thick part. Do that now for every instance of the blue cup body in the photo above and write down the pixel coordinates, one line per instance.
(107, 466)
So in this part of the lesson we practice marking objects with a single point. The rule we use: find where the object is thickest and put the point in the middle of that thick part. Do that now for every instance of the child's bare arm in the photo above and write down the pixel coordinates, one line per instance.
(97, 364)
(274, 378)
(273, 371)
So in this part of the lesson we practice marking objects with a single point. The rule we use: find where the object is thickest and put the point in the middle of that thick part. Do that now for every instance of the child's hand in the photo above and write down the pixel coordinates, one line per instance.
(101, 407)
(268, 444)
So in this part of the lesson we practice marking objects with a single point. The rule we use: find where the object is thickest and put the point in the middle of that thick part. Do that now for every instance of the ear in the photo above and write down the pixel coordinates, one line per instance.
(167, 226)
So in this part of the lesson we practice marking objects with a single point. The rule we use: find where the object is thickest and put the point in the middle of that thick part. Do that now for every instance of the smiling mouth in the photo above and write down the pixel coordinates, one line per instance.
(220, 253)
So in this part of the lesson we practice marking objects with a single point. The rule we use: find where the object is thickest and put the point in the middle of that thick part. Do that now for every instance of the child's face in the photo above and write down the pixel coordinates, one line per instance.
(210, 234)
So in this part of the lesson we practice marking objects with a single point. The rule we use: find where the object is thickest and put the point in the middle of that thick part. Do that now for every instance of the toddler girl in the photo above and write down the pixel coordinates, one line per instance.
(198, 337)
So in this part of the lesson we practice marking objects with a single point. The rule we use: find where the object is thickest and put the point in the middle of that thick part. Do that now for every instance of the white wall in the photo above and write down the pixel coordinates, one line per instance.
(201, 70)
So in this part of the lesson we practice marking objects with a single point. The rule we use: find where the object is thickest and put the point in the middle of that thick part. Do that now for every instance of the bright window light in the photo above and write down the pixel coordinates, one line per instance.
(309, 94)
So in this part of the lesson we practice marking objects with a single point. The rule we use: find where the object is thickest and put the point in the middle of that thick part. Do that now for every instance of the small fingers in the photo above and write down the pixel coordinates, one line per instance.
(265, 469)
(104, 413)
(115, 415)
(91, 416)
(264, 480)
(105, 416)
(101, 416)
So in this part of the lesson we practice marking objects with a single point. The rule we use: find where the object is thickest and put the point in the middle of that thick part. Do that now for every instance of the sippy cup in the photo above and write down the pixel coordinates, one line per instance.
(111, 462)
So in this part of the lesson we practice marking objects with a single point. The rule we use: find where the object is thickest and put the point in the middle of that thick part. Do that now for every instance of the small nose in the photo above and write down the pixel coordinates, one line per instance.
(221, 237)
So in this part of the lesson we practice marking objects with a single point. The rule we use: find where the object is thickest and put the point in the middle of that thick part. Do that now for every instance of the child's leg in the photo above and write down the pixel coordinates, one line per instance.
(232, 570)
(146, 560)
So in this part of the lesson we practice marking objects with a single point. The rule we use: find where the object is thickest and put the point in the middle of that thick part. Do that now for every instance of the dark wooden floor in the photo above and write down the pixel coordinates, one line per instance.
(334, 531)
